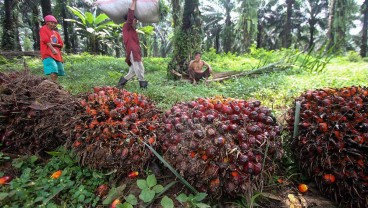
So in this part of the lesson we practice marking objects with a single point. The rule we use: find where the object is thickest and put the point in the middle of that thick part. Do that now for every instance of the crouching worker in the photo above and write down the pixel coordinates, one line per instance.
(132, 50)
(50, 47)
(195, 69)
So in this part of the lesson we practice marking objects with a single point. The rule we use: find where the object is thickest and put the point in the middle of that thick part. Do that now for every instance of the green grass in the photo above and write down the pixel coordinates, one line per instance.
(275, 90)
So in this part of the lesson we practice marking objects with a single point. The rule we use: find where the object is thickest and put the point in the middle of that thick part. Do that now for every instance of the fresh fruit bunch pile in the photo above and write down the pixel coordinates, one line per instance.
(221, 144)
(33, 111)
(332, 142)
(109, 130)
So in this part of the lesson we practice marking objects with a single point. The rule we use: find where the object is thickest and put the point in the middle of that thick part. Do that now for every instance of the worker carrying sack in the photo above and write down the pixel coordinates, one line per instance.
(146, 11)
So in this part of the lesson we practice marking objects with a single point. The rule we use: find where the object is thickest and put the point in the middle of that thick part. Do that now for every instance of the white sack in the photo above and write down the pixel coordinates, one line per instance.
(146, 11)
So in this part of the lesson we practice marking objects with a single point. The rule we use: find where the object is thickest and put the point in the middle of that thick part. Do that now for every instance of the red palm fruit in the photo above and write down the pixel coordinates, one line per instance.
(102, 190)
(218, 106)
(204, 157)
(197, 114)
(248, 167)
(251, 140)
(179, 127)
(5, 180)
(214, 184)
(193, 145)
(96, 89)
(256, 103)
(323, 127)
(198, 134)
(235, 175)
(232, 127)
(303, 188)
(192, 154)
(226, 110)
(329, 178)
(76, 143)
(243, 159)
(133, 174)
(253, 115)
(257, 168)
(250, 156)
(201, 108)
(192, 104)
(241, 136)
(211, 132)
(168, 127)
(219, 141)
(210, 118)
(234, 118)
(224, 128)
(210, 152)
(236, 109)
(244, 146)
(114, 203)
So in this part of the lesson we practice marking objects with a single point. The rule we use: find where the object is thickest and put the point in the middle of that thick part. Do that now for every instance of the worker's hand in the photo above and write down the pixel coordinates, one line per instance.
(54, 51)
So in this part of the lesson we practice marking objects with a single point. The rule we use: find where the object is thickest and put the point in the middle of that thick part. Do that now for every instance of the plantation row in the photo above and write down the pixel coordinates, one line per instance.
(224, 147)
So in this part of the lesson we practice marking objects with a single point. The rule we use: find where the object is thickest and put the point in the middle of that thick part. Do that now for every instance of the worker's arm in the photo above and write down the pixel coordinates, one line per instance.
(207, 65)
(132, 5)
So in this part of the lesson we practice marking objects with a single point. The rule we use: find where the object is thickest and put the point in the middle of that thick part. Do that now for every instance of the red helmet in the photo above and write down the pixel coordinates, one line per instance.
(50, 18)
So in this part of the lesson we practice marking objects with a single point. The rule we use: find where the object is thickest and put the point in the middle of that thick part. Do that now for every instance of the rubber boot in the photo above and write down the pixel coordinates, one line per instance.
(143, 84)
(122, 83)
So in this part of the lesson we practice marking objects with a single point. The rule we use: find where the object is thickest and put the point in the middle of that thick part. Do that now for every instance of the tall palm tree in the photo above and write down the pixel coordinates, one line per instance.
(187, 38)
(314, 13)
(9, 39)
(270, 24)
(363, 47)
(341, 16)
(218, 25)
(247, 24)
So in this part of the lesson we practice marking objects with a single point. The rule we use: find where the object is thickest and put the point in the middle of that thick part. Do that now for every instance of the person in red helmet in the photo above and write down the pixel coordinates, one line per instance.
(50, 47)
(132, 50)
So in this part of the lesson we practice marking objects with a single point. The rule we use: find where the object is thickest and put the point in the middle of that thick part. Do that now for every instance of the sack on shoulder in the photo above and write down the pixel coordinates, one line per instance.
(146, 11)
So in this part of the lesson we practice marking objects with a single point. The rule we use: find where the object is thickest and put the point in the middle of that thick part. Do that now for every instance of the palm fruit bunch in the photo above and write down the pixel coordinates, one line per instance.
(222, 146)
(33, 111)
(109, 130)
(332, 143)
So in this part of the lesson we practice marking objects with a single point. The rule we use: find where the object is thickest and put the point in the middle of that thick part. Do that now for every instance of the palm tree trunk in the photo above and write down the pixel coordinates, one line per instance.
(330, 32)
(363, 48)
(287, 27)
(187, 38)
(8, 39)
(36, 28)
(46, 7)
(227, 36)
(312, 27)
(175, 7)
(17, 45)
(65, 26)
